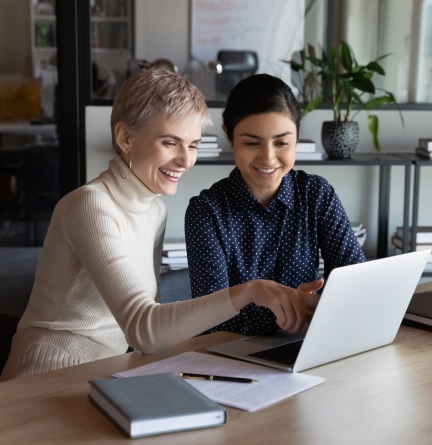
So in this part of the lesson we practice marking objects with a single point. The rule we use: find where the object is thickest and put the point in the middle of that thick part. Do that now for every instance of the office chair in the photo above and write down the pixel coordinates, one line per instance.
(236, 65)
(8, 326)
(175, 286)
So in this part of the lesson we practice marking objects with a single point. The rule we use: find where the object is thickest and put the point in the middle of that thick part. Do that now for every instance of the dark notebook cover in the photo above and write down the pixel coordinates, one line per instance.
(155, 404)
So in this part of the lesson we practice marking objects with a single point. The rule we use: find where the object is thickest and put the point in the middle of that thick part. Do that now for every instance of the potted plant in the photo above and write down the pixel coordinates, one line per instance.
(337, 78)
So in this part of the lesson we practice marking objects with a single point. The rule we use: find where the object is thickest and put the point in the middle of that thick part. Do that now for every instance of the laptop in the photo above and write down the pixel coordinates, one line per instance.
(361, 308)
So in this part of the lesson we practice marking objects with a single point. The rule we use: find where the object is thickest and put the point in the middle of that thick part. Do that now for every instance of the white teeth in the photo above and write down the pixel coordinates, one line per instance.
(171, 173)
(267, 170)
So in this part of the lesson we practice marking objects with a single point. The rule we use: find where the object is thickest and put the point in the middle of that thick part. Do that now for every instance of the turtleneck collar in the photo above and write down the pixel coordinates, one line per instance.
(128, 192)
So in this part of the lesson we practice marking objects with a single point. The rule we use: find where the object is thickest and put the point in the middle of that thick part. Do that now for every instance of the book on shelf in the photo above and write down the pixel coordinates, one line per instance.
(419, 311)
(208, 155)
(425, 143)
(174, 244)
(361, 238)
(208, 152)
(209, 138)
(203, 145)
(175, 261)
(356, 226)
(309, 156)
(174, 253)
(423, 235)
(398, 242)
(305, 146)
(155, 404)
(423, 153)
(398, 251)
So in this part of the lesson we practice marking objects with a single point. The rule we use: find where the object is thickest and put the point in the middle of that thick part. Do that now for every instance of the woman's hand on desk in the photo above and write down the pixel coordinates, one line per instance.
(292, 307)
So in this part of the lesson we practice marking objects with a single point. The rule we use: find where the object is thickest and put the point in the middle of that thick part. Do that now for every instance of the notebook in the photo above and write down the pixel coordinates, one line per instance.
(361, 308)
(155, 404)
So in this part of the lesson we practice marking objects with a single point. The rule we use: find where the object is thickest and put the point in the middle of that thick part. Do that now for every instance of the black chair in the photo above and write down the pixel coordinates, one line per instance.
(8, 325)
(236, 65)
(175, 286)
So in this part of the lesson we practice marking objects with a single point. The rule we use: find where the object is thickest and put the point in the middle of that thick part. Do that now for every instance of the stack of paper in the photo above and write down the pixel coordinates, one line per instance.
(306, 151)
(424, 148)
(209, 147)
(272, 384)
(174, 254)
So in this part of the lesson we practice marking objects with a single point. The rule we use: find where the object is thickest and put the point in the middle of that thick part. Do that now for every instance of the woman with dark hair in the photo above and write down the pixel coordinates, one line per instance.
(266, 220)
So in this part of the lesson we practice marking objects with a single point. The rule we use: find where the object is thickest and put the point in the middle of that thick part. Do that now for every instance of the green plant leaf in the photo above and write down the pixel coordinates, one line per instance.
(312, 105)
(373, 128)
(295, 66)
(376, 67)
(345, 56)
(377, 102)
(362, 83)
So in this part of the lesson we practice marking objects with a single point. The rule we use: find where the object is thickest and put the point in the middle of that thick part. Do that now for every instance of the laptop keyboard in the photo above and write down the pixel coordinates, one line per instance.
(285, 354)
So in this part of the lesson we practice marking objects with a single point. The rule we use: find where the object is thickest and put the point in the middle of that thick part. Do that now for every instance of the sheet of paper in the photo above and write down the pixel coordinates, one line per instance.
(273, 385)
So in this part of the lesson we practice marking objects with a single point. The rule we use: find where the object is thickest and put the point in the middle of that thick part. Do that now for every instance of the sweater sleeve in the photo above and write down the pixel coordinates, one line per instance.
(95, 231)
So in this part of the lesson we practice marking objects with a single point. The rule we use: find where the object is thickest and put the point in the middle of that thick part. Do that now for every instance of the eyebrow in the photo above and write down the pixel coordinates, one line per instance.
(276, 136)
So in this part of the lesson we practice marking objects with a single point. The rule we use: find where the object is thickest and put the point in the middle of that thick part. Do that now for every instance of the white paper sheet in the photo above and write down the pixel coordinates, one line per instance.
(273, 385)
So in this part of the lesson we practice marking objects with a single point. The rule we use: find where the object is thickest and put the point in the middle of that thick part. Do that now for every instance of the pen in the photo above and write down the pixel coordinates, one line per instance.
(189, 375)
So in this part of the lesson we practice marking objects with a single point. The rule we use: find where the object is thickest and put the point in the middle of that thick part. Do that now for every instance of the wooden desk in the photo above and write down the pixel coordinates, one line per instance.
(380, 397)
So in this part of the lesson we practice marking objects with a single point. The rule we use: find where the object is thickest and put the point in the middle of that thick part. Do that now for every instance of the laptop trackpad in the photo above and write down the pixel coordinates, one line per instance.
(276, 339)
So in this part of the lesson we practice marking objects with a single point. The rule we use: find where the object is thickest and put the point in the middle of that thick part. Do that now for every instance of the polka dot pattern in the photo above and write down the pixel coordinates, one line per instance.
(232, 238)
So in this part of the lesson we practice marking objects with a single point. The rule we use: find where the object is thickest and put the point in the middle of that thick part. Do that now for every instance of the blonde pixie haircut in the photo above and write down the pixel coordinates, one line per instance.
(156, 92)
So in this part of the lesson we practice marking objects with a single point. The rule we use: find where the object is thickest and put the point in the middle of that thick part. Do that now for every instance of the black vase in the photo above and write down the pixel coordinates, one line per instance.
(339, 139)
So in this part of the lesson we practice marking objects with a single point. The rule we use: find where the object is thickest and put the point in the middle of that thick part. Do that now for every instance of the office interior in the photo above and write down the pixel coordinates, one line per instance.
(80, 145)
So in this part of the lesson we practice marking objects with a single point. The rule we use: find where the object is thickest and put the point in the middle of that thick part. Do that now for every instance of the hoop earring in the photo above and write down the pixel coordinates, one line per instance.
(130, 166)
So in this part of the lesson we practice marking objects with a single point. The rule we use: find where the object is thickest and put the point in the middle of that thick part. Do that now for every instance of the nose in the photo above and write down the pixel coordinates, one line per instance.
(268, 154)
(186, 157)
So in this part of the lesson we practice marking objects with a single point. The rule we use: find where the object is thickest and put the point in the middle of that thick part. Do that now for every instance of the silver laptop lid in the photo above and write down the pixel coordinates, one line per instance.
(361, 308)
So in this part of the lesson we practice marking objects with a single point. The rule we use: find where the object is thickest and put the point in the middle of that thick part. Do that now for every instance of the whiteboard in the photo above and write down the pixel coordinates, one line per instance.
(272, 28)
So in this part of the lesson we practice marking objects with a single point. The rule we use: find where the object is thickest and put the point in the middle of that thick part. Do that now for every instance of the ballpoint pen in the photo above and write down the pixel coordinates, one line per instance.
(189, 375)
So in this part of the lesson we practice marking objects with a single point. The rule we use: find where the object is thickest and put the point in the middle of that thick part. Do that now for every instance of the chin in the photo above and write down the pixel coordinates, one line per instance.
(169, 191)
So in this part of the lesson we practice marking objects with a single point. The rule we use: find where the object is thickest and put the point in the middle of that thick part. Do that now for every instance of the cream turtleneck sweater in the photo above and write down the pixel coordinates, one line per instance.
(97, 281)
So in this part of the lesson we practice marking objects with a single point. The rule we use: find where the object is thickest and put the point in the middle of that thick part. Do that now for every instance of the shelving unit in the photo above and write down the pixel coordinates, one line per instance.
(43, 35)
(418, 162)
(111, 42)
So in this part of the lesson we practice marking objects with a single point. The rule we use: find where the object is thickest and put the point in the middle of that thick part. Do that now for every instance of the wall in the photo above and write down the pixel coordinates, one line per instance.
(15, 45)
(161, 30)
(357, 187)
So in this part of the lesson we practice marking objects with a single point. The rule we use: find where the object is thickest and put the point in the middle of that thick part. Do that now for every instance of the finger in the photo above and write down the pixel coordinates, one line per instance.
(294, 316)
(310, 299)
(313, 286)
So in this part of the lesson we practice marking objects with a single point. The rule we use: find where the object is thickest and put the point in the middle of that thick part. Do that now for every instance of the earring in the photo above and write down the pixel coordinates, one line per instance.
(130, 165)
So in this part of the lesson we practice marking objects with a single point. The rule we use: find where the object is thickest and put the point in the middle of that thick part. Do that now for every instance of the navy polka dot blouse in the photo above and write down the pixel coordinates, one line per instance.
(232, 238)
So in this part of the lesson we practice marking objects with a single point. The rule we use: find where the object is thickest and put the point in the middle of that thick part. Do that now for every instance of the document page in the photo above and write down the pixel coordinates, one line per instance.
(272, 385)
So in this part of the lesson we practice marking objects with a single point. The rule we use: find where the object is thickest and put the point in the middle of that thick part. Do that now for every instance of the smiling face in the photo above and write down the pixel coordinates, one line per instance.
(264, 151)
(162, 152)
